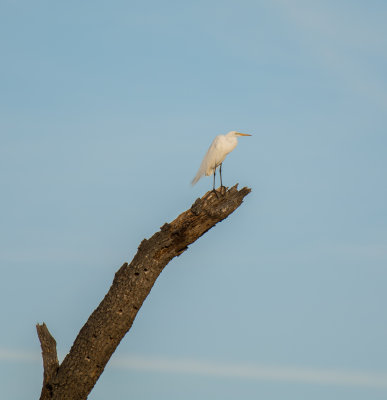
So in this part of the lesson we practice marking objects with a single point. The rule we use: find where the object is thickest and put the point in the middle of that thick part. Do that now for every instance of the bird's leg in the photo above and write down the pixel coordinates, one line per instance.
(213, 186)
(221, 184)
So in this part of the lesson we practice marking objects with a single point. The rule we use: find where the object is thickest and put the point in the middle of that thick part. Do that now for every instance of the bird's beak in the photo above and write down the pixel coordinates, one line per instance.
(243, 134)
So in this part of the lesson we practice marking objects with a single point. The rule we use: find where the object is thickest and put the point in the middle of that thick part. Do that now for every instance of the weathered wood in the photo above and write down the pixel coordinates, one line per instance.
(112, 319)
(50, 358)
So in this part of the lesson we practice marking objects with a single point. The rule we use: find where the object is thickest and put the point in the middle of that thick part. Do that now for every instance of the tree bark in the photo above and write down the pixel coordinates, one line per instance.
(50, 358)
(108, 324)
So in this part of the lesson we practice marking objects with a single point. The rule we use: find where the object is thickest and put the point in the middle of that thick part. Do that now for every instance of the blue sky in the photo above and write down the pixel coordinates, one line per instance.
(106, 109)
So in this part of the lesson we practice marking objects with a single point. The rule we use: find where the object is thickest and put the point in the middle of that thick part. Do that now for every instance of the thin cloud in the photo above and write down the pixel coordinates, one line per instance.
(252, 371)
(18, 356)
(227, 370)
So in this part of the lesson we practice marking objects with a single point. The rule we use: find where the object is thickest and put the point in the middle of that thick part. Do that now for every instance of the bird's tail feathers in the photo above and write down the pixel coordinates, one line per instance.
(202, 171)
(197, 177)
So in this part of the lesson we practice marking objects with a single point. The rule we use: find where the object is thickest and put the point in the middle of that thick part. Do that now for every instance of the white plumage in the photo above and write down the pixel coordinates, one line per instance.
(217, 152)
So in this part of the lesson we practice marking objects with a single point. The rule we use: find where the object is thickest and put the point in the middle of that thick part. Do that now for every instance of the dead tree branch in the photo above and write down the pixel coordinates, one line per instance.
(50, 358)
(108, 324)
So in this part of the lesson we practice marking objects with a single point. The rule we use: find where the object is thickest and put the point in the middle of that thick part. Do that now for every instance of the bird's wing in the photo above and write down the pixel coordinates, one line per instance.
(209, 162)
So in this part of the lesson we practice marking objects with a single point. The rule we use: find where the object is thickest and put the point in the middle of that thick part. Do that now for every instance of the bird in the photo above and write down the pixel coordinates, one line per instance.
(217, 152)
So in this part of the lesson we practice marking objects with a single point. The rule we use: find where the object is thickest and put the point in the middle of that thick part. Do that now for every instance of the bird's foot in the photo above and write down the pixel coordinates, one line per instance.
(223, 189)
(216, 193)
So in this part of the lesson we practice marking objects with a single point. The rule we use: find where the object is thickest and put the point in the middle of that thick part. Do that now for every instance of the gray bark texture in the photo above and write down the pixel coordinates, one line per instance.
(76, 376)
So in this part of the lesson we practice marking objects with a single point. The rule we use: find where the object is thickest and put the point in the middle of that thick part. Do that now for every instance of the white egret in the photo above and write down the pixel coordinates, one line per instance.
(217, 152)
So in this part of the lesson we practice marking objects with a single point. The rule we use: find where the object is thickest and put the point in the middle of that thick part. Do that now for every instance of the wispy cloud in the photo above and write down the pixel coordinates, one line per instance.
(227, 370)
(18, 355)
(253, 371)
